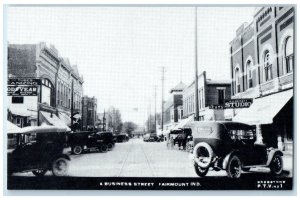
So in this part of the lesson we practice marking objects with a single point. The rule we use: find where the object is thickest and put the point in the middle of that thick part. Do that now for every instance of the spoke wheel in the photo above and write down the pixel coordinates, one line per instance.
(104, 148)
(110, 146)
(276, 165)
(39, 172)
(234, 169)
(77, 150)
(60, 167)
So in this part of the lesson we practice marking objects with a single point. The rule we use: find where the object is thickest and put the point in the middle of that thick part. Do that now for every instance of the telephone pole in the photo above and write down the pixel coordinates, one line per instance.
(162, 97)
(72, 104)
(155, 109)
(196, 69)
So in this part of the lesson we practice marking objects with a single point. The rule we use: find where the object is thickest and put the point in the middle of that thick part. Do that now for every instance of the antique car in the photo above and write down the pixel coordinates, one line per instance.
(231, 146)
(37, 149)
(122, 138)
(87, 141)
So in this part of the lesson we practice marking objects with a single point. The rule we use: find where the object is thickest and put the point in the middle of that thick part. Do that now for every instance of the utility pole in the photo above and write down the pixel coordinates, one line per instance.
(72, 105)
(162, 97)
(155, 109)
(196, 69)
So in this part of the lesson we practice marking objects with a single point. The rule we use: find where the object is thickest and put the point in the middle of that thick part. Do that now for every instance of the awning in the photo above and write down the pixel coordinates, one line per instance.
(52, 119)
(24, 112)
(183, 122)
(263, 110)
(65, 118)
(12, 128)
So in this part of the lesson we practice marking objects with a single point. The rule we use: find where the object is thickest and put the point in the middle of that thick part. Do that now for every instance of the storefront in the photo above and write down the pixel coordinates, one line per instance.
(273, 117)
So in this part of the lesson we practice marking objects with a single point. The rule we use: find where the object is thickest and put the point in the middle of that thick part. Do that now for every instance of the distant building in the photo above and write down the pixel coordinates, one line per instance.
(211, 94)
(89, 113)
(262, 66)
(173, 106)
(53, 103)
(101, 122)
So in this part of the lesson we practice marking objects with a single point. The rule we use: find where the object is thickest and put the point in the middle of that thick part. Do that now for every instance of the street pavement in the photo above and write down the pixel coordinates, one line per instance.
(137, 158)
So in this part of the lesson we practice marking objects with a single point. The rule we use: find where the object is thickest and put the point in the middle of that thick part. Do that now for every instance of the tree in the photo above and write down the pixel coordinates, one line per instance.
(114, 119)
(128, 127)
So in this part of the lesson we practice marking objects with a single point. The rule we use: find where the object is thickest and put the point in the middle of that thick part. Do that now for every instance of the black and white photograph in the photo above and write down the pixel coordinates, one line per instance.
(149, 97)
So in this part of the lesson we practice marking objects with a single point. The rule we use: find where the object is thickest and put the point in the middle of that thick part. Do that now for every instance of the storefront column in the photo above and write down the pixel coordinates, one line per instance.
(259, 138)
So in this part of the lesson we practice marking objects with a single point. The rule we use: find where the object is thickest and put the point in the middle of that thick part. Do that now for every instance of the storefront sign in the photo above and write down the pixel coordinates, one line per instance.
(23, 86)
(238, 103)
(216, 107)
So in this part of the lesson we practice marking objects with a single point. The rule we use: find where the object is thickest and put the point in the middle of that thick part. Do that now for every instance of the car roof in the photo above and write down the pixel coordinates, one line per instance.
(227, 124)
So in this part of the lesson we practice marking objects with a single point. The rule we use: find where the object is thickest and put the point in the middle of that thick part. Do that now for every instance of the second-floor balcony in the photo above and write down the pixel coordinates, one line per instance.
(286, 80)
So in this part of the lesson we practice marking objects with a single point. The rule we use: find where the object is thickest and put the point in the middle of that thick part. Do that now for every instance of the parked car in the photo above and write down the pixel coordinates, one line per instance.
(151, 138)
(86, 141)
(231, 146)
(122, 138)
(38, 149)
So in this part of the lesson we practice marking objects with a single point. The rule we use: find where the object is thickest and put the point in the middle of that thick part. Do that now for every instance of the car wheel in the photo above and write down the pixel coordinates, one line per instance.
(77, 150)
(234, 169)
(276, 165)
(39, 172)
(203, 154)
(104, 148)
(110, 146)
(60, 167)
(200, 171)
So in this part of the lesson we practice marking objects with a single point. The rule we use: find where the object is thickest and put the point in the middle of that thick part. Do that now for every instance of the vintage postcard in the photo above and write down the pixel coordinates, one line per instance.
(149, 97)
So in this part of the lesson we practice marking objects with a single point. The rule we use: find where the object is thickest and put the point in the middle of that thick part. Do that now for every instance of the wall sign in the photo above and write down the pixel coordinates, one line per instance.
(237, 103)
(23, 86)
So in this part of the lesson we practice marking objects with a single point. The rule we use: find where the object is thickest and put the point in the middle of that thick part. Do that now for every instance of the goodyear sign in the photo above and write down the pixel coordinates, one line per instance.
(23, 87)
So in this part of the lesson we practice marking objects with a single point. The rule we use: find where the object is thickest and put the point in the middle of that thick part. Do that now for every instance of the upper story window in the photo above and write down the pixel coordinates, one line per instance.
(47, 92)
(249, 65)
(289, 55)
(267, 66)
(237, 80)
(221, 96)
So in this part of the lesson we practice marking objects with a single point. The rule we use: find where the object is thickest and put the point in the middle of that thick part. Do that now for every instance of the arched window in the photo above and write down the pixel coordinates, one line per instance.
(47, 92)
(249, 65)
(237, 80)
(267, 66)
(289, 55)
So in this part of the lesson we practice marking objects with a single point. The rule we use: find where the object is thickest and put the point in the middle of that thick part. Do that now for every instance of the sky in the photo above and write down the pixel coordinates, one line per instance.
(120, 51)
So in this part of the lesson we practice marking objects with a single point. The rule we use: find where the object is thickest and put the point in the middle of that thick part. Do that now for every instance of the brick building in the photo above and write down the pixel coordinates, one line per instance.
(173, 107)
(211, 94)
(53, 103)
(262, 64)
(89, 113)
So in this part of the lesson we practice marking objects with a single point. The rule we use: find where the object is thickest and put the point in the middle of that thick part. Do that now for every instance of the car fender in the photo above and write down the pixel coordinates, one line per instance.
(271, 154)
(226, 159)
(63, 156)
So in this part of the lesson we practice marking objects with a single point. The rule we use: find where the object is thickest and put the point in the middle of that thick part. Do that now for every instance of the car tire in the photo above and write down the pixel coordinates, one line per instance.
(77, 150)
(276, 165)
(39, 172)
(200, 171)
(234, 167)
(110, 146)
(60, 167)
(204, 153)
(104, 148)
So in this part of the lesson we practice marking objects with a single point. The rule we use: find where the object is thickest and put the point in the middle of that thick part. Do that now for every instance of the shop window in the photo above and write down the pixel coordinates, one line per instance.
(267, 66)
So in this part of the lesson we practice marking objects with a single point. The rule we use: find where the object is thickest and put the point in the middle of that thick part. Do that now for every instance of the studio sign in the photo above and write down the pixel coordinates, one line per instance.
(238, 103)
